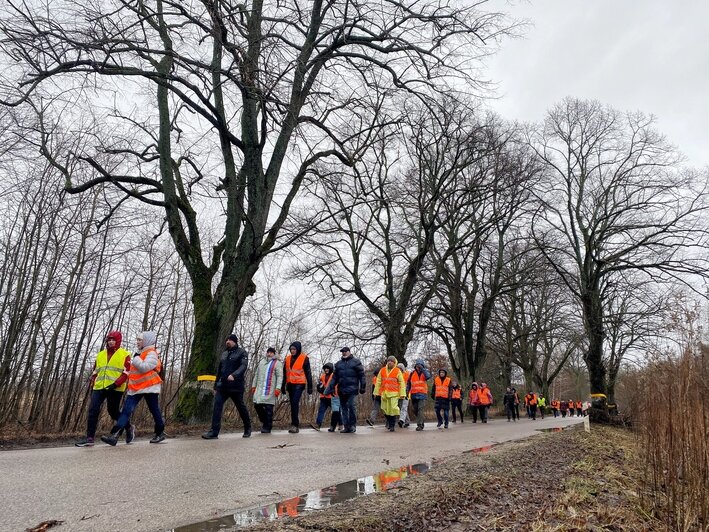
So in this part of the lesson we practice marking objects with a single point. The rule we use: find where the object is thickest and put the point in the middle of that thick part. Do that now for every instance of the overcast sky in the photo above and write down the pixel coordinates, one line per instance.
(647, 55)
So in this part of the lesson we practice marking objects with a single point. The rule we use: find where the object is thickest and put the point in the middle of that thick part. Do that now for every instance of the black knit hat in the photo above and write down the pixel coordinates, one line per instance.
(233, 338)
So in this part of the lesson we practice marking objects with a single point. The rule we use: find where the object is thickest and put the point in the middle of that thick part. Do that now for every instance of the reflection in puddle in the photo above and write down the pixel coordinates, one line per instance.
(314, 500)
(484, 449)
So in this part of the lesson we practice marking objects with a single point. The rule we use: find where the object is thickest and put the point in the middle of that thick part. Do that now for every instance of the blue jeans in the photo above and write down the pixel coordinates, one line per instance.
(131, 402)
(325, 403)
(442, 405)
(348, 410)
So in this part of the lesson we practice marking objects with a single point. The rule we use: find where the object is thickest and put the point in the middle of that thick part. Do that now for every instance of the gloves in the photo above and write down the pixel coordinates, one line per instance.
(320, 387)
(253, 391)
(278, 392)
(111, 387)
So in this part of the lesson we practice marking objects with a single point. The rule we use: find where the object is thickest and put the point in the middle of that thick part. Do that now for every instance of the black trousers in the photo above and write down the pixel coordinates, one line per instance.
(457, 404)
(220, 399)
(264, 411)
(113, 405)
(295, 391)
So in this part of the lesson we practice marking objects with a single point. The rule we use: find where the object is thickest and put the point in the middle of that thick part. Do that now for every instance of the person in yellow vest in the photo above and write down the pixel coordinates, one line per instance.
(457, 400)
(108, 382)
(404, 403)
(296, 378)
(441, 392)
(542, 404)
(144, 382)
(390, 387)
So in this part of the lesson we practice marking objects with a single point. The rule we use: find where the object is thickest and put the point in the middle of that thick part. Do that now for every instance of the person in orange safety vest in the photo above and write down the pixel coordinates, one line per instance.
(441, 391)
(457, 400)
(296, 379)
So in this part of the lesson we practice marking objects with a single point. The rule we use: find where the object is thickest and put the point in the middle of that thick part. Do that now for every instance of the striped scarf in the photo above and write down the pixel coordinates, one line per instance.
(269, 385)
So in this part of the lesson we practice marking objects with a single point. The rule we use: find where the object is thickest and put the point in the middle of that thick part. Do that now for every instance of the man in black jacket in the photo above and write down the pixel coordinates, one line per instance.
(230, 385)
(349, 379)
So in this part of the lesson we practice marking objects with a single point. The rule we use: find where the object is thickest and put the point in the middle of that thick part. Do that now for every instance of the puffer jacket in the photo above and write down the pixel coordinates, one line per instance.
(348, 377)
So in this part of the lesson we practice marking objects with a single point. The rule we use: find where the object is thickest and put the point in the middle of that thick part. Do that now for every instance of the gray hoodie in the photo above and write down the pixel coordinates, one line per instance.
(138, 365)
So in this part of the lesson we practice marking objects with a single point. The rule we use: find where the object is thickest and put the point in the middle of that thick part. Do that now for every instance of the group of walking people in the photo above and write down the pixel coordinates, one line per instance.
(393, 390)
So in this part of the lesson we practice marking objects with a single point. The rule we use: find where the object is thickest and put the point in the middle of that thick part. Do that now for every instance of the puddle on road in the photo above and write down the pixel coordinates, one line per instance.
(559, 429)
(484, 449)
(311, 501)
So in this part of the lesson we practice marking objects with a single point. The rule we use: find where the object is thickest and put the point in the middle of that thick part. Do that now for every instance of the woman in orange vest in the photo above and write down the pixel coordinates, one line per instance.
(579, 408)
(555, 407)
(296, 376)
(530, 401)
(457, 400)
(441, 393)
(571, 408)
(485, 396)
(144, 382)
(326, 400)
(474, 401)
(418, 390)
(390, 387)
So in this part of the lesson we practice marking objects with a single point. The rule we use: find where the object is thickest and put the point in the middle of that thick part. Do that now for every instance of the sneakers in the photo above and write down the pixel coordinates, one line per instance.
(86, 442)
(265, 431)
(130, 434)
(406, 425)
(369, 422)
(419, 427)
(331, 429)
(401, 424)
(158, 438)
(247, 433)
(294, 429)
(211, 435)
(439, 425)
(445, 426)
(111, 439)
(315, 426)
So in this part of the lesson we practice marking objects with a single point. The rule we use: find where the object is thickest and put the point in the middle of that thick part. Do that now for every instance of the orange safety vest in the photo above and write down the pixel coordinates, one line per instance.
(374, 380)
(390, 380)
(555, 405)
(442, 387)
(579, 404)
(474, 397)
(485, 396)
(530, 399)
(140, 381)
(326, 383)
(456, 393)
(295, 374)
(418, 383)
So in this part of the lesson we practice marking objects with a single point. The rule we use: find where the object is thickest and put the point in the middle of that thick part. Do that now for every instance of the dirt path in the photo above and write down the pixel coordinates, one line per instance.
(158, 487)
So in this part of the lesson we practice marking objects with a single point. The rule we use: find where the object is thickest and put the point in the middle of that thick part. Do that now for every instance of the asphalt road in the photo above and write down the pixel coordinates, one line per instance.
(144, 487)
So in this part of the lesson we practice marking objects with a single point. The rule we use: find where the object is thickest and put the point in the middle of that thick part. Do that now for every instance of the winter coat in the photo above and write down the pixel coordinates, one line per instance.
(233, 362)
(509, 399)
(348, 377)
(266, 380)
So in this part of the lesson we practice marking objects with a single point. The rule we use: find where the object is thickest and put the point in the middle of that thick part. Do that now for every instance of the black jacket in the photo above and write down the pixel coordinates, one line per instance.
(509, 399)
(348, 377)
(232, 362)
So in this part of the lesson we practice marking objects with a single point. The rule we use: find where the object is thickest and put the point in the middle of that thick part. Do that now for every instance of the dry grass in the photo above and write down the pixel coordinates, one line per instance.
(672, 415)
(555, 482)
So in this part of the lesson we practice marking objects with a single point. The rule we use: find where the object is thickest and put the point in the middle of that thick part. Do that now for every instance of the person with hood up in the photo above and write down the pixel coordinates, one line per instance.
(144, 382)
(485, 396)
(266, 387)
(390, 387)
(230, 384)
(348, 380)
(474, 401)
(417, 389)
(441, 393)
(296, 377)
(326, 401)
(108, 382)
(457, 401)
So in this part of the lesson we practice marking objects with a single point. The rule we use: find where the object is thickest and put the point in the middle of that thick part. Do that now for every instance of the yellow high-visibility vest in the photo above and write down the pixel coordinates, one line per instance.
(107, 371)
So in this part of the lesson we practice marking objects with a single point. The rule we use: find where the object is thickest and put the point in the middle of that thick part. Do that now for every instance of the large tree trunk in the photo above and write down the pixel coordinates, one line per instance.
(593, 320)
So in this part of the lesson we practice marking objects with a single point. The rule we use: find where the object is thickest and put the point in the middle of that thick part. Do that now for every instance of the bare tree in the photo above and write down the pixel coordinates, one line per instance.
(382, 219)
(615, 200)
(233, 96)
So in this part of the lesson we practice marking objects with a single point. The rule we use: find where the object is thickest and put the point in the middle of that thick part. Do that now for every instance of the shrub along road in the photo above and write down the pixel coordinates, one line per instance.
(156, 487)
